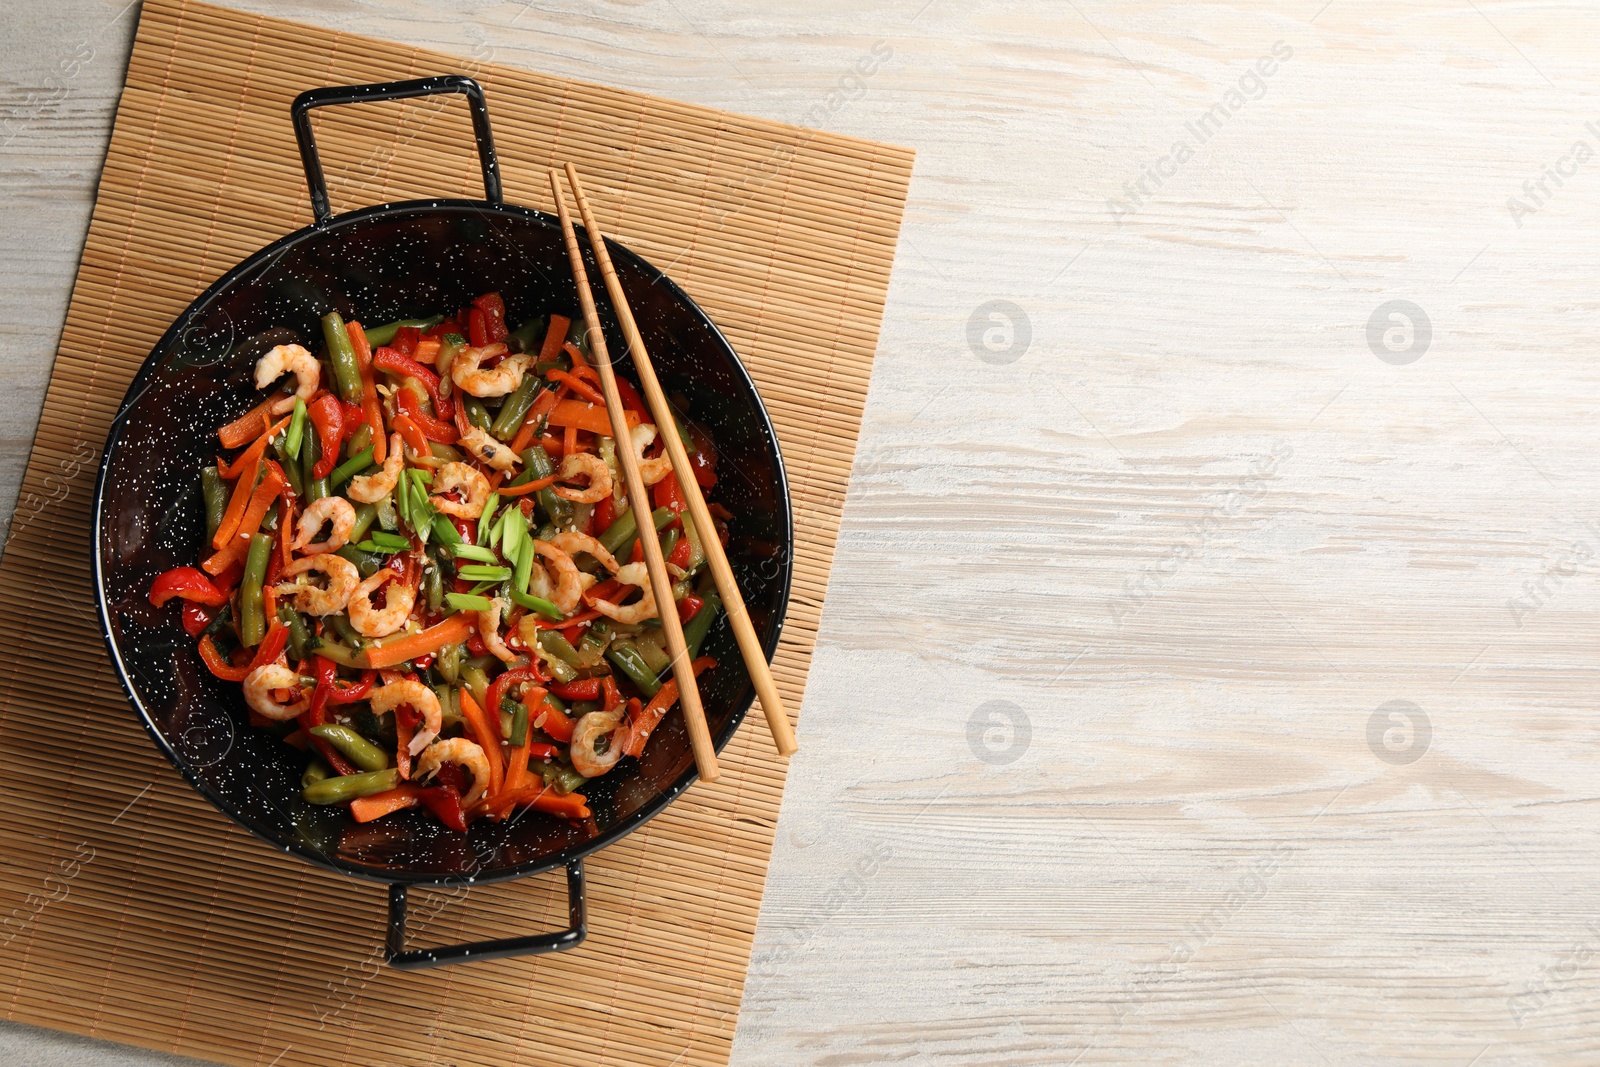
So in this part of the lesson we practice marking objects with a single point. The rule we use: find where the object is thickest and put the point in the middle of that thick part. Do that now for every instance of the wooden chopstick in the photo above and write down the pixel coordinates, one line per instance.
(755, 659)
(705, 753)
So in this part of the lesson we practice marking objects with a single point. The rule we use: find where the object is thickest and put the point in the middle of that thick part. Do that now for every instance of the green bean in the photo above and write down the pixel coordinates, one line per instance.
(316, 771)
(563, 779)
(553, 642)
(301, 640)
(477, 682)
(382, 335)
(252, 624)
(515, 409)
(340, 624)
(448, 662)
(477, 414)
(448, 453)
(358, 440)
(351, 467)
(519, 725)
(357, 749)
(365, 514)
(531, 333)
(537, 463)
(365, 562)
(310, 453)
(696, 629)
(215, 492)
(351, 786)
(290, 465)
(555, 702)
(297, 429)
(629, 661)
(342, 357)
(620, 534)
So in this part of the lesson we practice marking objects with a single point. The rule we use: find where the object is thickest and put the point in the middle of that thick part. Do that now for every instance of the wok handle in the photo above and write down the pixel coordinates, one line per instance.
(300, 111)
(398, 956)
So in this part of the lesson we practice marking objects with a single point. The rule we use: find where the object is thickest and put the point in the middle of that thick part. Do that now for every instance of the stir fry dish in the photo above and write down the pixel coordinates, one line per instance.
(423, 571)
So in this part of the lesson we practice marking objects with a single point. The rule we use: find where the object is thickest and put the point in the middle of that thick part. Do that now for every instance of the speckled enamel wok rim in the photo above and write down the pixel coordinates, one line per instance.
(329, 228)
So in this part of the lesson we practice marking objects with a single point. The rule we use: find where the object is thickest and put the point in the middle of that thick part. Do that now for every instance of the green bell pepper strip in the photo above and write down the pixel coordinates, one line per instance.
(340, 654)
(384, 334)
(351, 467)
(630, 662)
(252, 623)
(433, 585)
(342, 357)
(563, 779)
(354, 747)
(351, 786)
(477, 683)
(215, 492)
(297, 429)
(448, 662)
(553, 642)
(515, 409)
(620, 534)
(449, 345)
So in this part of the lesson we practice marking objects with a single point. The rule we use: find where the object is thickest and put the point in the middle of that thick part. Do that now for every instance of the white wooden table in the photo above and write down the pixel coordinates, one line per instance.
(1208, 673)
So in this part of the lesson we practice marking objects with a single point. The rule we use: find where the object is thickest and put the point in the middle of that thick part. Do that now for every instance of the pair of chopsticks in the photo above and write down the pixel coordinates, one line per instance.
(705, 755)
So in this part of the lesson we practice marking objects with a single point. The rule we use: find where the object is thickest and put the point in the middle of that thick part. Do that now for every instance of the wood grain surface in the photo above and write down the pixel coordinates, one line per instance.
(1206, 672)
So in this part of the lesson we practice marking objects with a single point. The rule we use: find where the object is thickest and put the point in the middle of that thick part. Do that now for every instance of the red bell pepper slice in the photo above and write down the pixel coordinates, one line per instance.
(631, 398)
(189, 583)
(354, 418)
(392, 362)
(327, 415)
(582, 689)
(445, 803)
(669, 494)
(605, 513)
(679, 556)
(506, 680)
(433, 429)
(195, 618)
(477, 328)
(689, 607)
(494, 316)
(406, 339)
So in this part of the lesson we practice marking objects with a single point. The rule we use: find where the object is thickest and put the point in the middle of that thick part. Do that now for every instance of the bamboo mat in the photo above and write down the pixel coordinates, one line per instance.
(129, 908)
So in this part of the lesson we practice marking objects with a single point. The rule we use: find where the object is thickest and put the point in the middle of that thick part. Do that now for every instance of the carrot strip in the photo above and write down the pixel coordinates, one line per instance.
(369, 391)
(541, 798)
(651, 715)
(579, 386)
(579, 364)
(427, 351)
(245, 428)
(401, 797)
(569, 442)
(266, 493)
(530, 425)
(451, 631)
(266, 434)
(528, 487)
(224, 557)
(488, 738)
(411, 433)
(554, 337)
(584, 416)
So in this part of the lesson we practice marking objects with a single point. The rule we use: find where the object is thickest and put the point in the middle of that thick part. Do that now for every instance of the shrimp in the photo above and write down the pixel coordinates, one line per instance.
(573, 542)
(381, 622)
(258, 687)
(473, 485)
(486, 448)
(334, 510)
(489, 630)
(504, 378)
(645, 608)
(653, 470)
(285, 359)
(463, 753)
(423, 700)
(371, 488)
(569, 582)
(343, 578)
(589, 729)
(581, 464)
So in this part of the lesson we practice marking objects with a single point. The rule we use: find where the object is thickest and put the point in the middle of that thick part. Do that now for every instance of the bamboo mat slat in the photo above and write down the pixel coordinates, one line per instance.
(133, 911)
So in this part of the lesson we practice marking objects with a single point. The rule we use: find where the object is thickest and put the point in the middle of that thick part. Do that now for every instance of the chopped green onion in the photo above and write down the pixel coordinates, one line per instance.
(483, 587)
(444, 531)
(512, 528)
(423, 478)
(486, 520)
(524, 571)
(476, 572)
(468, 602)
(297, 429)
(377, 549)
(466, 551)
(393, 542)
(539, 604)
(352, 466)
